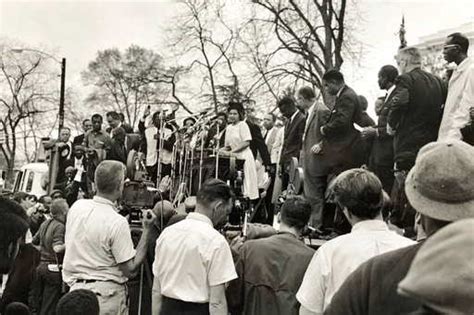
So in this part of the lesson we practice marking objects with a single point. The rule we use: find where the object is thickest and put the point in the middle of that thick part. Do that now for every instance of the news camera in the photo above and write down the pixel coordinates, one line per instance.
(139, 192)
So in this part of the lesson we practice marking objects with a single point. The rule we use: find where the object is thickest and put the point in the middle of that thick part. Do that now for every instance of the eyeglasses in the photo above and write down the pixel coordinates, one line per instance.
(447, 47)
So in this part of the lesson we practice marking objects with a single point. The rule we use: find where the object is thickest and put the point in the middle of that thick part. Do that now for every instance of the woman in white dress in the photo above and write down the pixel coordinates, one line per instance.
(237, 143)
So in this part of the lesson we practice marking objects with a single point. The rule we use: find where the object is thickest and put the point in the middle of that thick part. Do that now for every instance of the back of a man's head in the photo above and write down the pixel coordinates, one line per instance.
(59, 207)
(109, 176)
(295, 212)
(13, 226)
(213, 190)
(19, 196)
(307, 92)
(410, 55)
(360, 191)
(334, 75)
(78, 302)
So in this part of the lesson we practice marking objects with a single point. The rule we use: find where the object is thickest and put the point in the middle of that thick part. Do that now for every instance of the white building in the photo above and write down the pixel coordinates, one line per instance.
(431, 47)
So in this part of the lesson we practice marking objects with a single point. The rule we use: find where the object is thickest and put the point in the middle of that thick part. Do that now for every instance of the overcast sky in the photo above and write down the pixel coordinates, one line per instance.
(77, 29)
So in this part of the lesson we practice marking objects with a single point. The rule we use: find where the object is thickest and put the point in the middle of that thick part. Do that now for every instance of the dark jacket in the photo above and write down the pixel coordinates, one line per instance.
(342, 142)
(372, 288)
(382, 146)
(79, 140)
(270, 273)
(415, 113)
(468, 133)
(20, 279)
(257, 144)
(293, 138)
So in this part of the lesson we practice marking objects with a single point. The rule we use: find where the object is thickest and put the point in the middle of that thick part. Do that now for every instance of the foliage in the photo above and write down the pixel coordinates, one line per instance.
(125, 81)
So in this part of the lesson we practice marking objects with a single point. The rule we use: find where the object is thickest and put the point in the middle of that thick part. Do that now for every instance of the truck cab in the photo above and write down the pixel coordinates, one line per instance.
(32, 179)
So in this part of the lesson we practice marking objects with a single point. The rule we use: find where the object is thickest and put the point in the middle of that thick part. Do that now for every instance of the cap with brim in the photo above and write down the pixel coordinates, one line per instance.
(441, 184)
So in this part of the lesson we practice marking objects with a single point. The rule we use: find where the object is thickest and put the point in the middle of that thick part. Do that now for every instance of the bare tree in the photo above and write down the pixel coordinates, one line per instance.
(125, 82)
(25, 93)
(313, 31)
(203, 40)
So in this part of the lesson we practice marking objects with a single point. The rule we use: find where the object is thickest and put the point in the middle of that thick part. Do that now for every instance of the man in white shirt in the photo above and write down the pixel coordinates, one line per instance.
(99, 251)
(359, 195)
(193, 261)
(460, 89)
(273, 137)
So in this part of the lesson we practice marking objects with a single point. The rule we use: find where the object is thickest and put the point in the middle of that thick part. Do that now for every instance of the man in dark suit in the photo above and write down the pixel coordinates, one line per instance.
(316, 167)
(128, 128)
(293, 135)
(414, 119)
(114, 121)
(86, 126)
(341, 140)
(381, 154)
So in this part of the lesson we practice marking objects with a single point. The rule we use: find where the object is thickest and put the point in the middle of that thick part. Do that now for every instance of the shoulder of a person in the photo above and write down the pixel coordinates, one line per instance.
(385, 262)
(79, 204)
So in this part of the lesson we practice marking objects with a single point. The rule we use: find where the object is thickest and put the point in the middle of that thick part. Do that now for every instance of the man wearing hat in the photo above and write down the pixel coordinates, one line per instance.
(444, 262)
(441, 189)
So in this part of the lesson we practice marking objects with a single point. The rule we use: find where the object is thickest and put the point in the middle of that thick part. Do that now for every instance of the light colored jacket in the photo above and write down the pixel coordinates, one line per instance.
(460, 99)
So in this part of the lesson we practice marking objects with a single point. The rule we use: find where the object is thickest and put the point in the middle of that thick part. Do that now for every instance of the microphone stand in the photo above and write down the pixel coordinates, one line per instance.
(160, 149)
(217, 148)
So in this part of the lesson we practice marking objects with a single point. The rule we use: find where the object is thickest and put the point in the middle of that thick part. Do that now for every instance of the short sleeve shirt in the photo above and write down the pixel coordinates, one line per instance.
(190, 257)
(50, 234)
(338, 258)
(98, 140)
(97, 240)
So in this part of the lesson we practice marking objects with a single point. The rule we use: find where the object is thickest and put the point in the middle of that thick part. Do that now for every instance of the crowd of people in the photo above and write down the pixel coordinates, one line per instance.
(397, 197)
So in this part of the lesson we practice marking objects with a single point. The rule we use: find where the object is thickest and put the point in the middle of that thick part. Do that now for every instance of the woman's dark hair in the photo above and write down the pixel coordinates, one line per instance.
(238, 107)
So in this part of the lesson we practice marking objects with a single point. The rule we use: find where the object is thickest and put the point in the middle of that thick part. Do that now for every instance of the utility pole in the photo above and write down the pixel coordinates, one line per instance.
(61, 95)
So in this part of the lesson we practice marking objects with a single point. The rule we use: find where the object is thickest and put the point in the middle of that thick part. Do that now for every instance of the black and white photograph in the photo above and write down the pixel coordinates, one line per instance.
(236, 157)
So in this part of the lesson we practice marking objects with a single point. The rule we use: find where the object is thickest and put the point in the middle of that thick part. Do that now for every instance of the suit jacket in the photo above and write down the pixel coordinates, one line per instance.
(79, 140)
(293, 138)
(21, 277)
(257, 144)
(315, 164)
(468, 133)
(415, 114)
(342, 142)
(382, 147)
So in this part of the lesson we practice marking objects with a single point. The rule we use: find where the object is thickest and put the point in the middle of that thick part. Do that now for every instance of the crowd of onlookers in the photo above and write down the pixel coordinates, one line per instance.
(402, 189)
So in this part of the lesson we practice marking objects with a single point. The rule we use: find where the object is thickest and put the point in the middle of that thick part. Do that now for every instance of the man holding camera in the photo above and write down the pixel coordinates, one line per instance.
(193, 261)
(99, 250)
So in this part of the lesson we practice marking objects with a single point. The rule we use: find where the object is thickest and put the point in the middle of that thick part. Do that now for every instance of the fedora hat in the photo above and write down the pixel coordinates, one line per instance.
(441, 184)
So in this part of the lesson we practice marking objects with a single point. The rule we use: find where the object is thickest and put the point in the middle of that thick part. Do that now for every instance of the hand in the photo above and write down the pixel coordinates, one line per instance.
(368, 132)
(237, 243)
(165, 184)
(271, 169)
(148, 219)
(317, 148)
